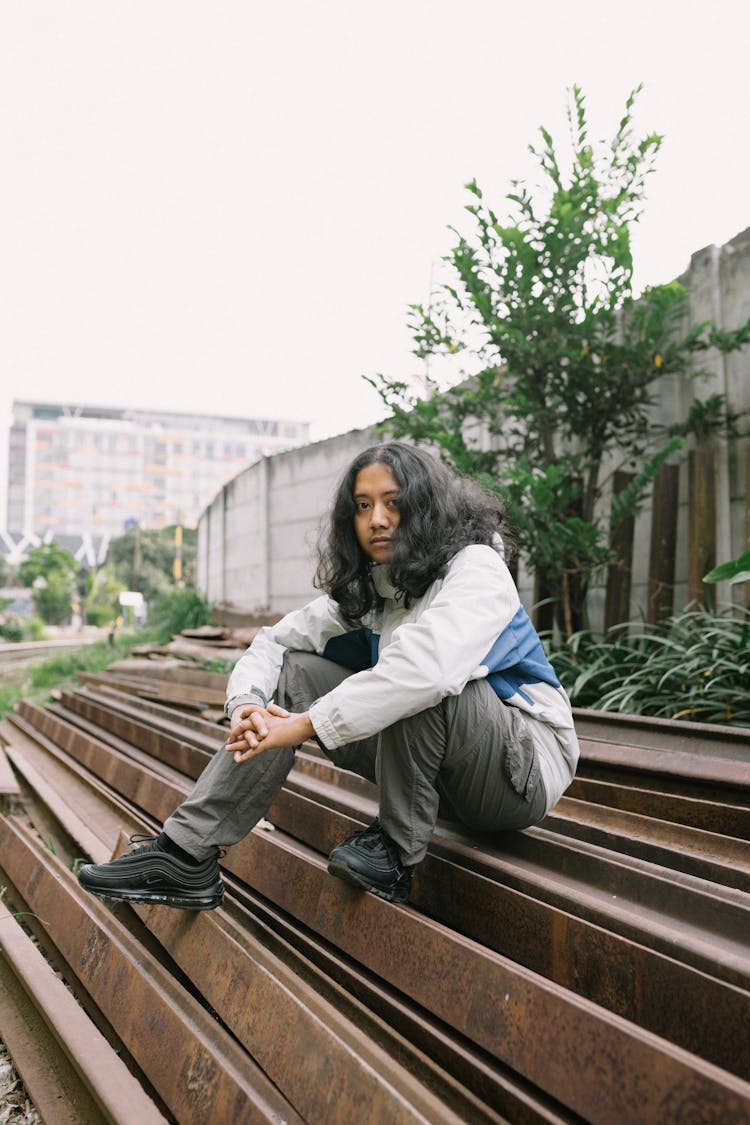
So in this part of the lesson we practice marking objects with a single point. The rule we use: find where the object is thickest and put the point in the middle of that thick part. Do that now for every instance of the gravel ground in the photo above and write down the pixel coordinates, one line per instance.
(15, 1107)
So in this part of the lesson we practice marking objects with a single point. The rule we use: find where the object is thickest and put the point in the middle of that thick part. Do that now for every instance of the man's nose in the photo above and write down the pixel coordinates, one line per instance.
(380, 515)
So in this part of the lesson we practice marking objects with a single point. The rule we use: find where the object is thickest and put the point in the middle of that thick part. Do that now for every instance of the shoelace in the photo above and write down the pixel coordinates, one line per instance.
(148, 842)
(378, 839)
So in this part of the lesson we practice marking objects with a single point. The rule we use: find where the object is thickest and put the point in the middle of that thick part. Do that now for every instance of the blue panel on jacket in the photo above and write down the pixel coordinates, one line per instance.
(351, 650)
(516, 658)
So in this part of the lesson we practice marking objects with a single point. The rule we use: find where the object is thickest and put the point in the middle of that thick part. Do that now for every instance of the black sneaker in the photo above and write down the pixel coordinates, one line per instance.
(370, 859)
(150, 875)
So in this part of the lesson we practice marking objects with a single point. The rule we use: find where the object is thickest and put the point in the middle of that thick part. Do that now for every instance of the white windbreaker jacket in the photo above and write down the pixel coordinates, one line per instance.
(468, 625)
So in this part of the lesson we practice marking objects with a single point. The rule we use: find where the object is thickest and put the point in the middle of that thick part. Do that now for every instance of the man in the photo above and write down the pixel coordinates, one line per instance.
(417, 668)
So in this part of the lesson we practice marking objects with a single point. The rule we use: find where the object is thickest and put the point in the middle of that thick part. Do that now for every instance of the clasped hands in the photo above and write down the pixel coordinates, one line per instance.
(254, 729)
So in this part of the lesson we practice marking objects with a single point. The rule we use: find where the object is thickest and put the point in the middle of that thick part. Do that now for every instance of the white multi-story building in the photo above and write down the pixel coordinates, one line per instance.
(93, 472)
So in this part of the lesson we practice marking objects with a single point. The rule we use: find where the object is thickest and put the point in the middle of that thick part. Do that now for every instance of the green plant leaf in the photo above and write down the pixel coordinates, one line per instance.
(737, 570)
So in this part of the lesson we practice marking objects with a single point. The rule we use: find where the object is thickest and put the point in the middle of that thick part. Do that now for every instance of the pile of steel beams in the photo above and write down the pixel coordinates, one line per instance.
(596, 967)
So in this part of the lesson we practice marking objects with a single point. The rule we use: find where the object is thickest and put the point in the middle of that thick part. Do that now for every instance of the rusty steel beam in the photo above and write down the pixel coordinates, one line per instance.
(620, 972)
(191, 725)
(345, 1063)
(686, 766)
(196, 1067)
(542, 839)
(707, 855)
(91, 815)
(582, 896)
(200, 733)
(166, 747)
(213, 953)
(695, 812)
(144, 787)
(527, 1106)
(174, 671)
(124, 747)
(159, 691)
(67, 1065)
(9, 788)
(327, 1068)
(702, 740)
(621, 892)
(497, 1086)
(593, 1061)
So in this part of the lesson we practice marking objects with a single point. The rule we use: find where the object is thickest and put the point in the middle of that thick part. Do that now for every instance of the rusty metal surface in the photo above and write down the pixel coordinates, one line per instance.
(622, 973)
(718, 816)
(197, 1068)
(315, 1055)
(143, 787)
(593, 1061)
(494, 1084)
(707, 855)
(175, 752)
(595, 967)
(100, 687)
(706, 740)
(706, 924)
(8, 781)
(346, 1066)
(82, 1079)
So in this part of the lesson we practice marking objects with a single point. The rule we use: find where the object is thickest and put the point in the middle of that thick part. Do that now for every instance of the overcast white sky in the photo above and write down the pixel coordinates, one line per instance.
(227, 206)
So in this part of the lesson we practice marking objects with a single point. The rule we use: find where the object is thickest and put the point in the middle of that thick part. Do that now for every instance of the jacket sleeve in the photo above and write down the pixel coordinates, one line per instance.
(255, 676)
(433, 655)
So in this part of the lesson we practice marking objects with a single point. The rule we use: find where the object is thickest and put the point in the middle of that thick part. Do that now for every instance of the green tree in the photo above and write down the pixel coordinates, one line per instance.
(52, 572)
(563, 358)
(144, 560)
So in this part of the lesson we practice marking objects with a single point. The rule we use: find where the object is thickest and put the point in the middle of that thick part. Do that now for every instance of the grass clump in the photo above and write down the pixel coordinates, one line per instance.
(172, 612)
(36, 682)
(693, 666)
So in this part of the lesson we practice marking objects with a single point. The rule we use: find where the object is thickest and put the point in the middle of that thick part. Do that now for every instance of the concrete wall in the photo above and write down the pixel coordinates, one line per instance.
(256, 539)
(718, 280)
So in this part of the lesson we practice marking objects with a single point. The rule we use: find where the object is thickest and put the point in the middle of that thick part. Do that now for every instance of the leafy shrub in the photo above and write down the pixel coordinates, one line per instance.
(179, 609)
(11, 630)
(695, 666)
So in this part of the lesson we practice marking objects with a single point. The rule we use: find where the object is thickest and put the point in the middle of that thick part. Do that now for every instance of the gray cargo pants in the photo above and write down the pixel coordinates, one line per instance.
(470, 758)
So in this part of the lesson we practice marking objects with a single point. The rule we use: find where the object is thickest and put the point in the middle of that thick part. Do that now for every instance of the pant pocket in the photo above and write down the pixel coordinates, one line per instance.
(521, 762)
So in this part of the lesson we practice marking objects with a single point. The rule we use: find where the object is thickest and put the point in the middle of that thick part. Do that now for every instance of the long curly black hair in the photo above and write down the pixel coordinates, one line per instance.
(440, 512)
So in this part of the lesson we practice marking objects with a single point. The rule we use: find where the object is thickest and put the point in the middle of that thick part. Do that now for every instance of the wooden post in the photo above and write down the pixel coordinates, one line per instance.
(663, 550)
(617, 601)
(701, 524)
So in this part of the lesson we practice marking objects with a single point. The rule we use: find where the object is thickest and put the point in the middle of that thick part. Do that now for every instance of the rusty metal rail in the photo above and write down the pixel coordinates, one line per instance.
(596, 967)
(69, 1069)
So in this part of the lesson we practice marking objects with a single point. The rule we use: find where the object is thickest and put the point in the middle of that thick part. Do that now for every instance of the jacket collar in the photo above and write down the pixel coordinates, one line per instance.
(381, 577)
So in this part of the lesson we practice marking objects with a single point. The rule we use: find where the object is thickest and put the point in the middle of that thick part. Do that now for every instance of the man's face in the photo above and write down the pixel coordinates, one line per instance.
(377, 516)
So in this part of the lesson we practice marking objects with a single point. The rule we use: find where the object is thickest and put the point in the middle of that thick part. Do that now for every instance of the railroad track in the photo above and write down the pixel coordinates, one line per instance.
(593, 968)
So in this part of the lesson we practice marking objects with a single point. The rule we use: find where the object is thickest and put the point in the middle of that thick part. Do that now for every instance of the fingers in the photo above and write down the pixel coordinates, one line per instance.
(249, 727)
(274, 709)
(244, 756)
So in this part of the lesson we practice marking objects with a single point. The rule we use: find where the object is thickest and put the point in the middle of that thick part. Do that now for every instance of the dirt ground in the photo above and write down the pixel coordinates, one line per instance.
(15, 1107)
